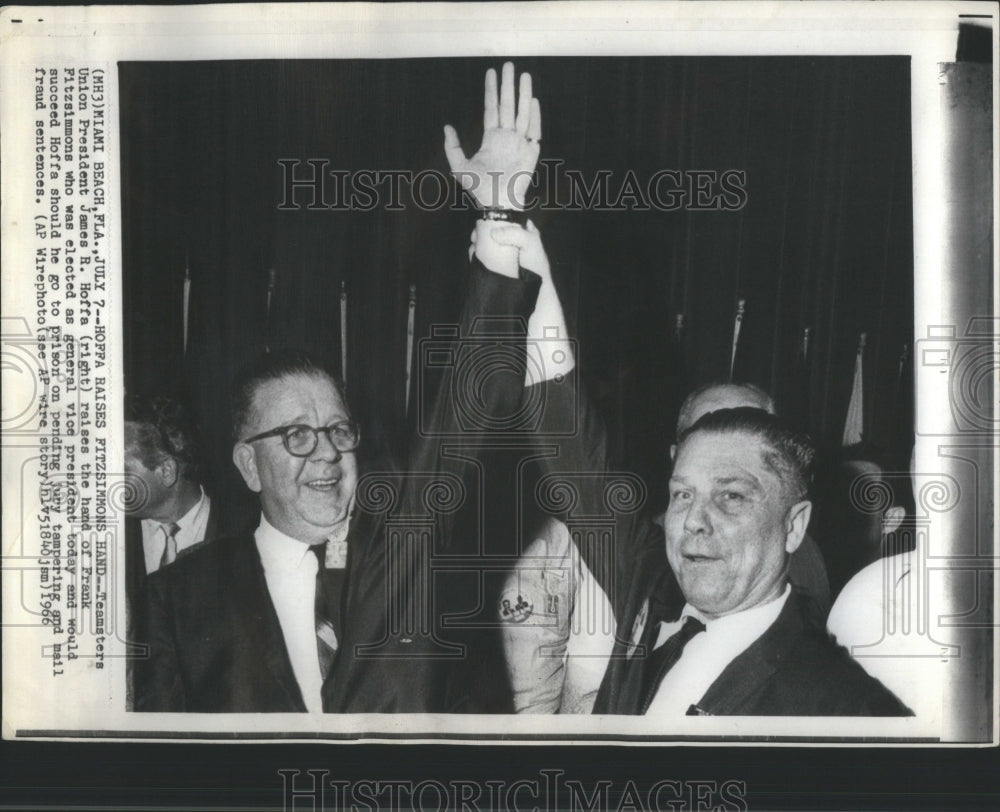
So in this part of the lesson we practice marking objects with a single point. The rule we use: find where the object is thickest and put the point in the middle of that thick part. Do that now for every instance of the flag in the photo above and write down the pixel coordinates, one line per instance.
(854, 425)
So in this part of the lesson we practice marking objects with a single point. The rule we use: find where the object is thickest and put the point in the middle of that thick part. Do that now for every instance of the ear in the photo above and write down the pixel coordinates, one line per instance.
(796, 523)
(893, 519)
(246, 463)
(168, 472)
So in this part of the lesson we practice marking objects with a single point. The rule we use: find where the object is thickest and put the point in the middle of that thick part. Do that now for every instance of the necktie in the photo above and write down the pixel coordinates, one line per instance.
(329, 587)
(664, 658)
(170, 549)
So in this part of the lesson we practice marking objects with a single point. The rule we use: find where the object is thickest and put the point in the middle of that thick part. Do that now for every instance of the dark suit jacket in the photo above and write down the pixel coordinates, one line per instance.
(215, 641)
(135, 558)
(793, 669)
(217, 644)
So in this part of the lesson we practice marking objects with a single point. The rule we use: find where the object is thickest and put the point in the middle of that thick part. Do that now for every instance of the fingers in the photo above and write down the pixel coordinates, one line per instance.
(453, 149)
(491, 116)
(534, 131)
(524, 103)
(512, 235)
(507, 96)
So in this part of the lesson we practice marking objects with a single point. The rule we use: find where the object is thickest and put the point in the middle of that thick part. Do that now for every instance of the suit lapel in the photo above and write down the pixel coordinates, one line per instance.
(650, 599)
(362, 597)
(212, 527)
(135, 561)
(259, 620)
(733, 692)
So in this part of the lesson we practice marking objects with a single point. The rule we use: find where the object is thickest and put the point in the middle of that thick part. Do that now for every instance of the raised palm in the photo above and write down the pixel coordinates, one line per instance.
(499, 174)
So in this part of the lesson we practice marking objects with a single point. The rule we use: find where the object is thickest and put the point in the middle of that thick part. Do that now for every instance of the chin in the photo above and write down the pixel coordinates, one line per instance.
(711, 602)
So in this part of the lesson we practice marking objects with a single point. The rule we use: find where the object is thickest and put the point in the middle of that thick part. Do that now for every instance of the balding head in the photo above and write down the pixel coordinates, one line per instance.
(715, 396)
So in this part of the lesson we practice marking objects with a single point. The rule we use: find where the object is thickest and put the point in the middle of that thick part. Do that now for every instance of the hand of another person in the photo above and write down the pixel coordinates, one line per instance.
(551, 354)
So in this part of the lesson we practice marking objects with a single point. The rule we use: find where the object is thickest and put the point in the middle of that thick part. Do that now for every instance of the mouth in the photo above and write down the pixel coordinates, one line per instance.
(323, 485)
(698, 558)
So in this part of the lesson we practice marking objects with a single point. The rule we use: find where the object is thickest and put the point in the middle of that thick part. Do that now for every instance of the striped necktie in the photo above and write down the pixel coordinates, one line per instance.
(170, 548)
(329, 588)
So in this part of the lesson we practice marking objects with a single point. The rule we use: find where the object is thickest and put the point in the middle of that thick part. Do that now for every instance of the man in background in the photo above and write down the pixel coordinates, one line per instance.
(168, 509)
(168, 512)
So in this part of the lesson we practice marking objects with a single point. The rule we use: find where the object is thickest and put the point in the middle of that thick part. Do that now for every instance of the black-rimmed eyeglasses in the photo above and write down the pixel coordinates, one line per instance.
(301, 440)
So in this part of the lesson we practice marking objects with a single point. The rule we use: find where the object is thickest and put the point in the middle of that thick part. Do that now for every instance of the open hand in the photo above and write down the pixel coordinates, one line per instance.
(499, 174)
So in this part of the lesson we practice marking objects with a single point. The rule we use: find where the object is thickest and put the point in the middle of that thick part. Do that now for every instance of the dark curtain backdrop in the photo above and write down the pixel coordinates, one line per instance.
(824, 241)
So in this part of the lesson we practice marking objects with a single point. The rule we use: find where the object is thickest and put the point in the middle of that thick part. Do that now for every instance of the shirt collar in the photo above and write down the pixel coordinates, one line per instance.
(185, 522)
(760, 616)
(277, 550)
(190, 519)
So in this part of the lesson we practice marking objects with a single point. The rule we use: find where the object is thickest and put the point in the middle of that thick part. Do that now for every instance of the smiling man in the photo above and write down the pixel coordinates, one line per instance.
(740, 642)
(325, 608)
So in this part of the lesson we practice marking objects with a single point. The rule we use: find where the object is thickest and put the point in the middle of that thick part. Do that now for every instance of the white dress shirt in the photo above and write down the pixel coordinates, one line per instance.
(192, 530)
(708, 654)
(290, 571)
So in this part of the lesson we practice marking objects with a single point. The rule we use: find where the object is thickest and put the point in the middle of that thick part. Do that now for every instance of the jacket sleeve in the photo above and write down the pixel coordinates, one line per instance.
(576, 439)
(476, 374)
(535, 610)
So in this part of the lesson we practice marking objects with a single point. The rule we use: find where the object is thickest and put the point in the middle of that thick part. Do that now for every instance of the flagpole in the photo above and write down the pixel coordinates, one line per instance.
(737, 324)
(272, 281)
(187, 297)
(343, 331)
(411, 310)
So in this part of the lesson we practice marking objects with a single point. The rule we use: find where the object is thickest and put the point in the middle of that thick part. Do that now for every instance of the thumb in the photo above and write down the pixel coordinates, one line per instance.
(453, 149)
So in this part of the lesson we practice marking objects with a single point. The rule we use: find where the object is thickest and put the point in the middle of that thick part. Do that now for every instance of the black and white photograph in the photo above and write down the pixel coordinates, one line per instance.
(719, 232)
(387, 377)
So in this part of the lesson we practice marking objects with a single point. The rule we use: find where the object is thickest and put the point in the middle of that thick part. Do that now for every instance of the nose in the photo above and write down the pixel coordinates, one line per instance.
(325, 450)
(697, 521)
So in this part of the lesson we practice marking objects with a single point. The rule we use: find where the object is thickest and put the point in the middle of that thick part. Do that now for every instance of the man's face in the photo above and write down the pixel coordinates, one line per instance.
(729, 528)
(149, 498)
(303, 497)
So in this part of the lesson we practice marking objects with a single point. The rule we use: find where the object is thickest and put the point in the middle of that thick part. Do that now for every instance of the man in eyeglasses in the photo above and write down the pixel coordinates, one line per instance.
(294, 445)
(233, 626)
(305, 615)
